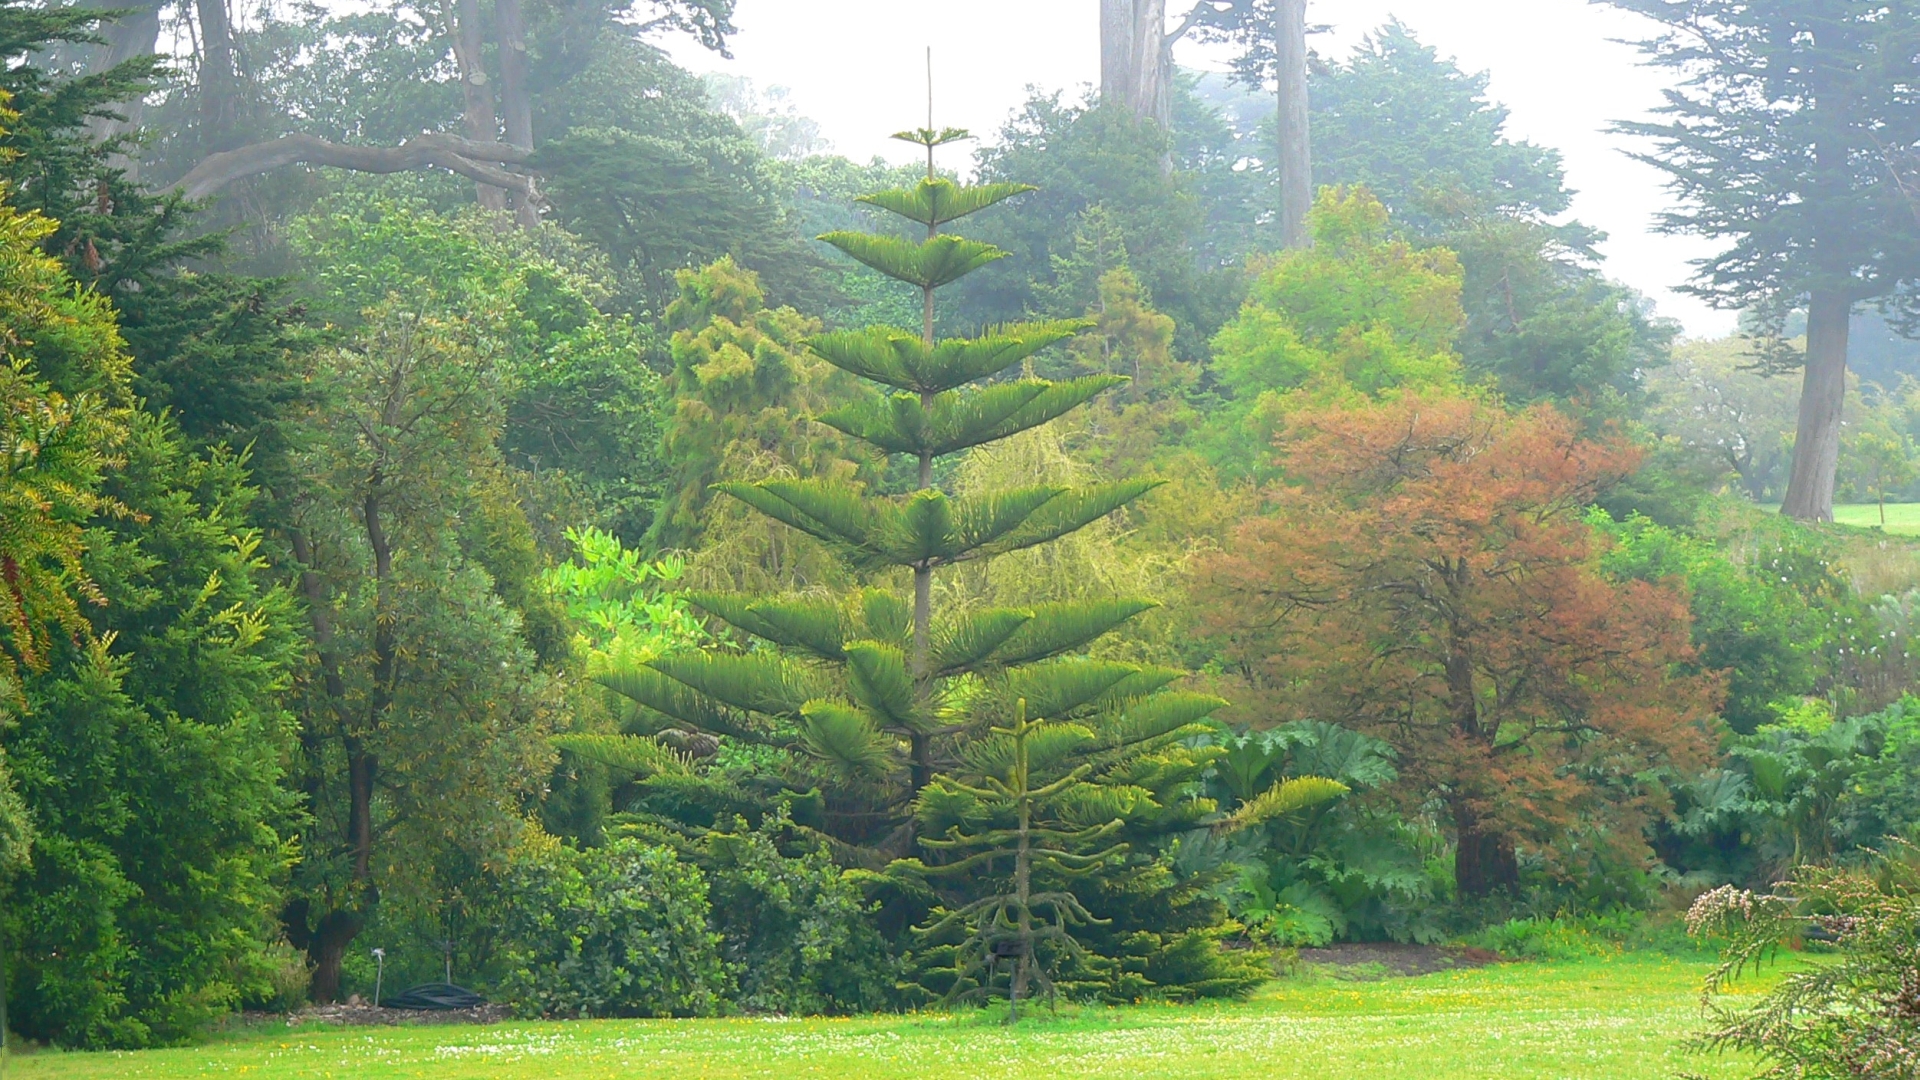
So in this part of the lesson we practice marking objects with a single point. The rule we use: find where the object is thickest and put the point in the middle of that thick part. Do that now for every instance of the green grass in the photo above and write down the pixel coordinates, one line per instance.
(1617, 1019)
(1902, 518)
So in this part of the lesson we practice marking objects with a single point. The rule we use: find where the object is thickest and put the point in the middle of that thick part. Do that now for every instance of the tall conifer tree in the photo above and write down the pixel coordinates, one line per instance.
(898, 709)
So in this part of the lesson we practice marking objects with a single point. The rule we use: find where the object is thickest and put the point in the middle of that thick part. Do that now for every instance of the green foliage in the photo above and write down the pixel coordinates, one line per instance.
(1807, 789)
(619, 930)
(889, 706)
(154, 768)
(618, 601)
(1849, 1015)
(64, 381)
(1360, 312)
(429, 629)
(796, 932)
(1769, 624)
(581, 405)
(1035, 829)
(1096, 156)
(1777, 143)
(1420, 133)
(1315, 860)
(1564, 938)
(742, 390)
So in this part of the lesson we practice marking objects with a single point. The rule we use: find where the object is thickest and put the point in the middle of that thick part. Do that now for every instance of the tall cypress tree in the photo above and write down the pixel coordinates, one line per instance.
(1784, 143)
(896, 708)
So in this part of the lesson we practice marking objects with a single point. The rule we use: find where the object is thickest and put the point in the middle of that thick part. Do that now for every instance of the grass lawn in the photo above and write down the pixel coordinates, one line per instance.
(1902, 518)
(1616, 1019)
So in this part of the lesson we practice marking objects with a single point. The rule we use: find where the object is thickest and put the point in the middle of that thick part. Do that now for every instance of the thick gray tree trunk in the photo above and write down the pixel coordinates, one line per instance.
(481, 122)
(134, 34)
(1823, 395)
(1136, 58)
(219, 78)
(1295, 142)
(516, 101)
(1116, 51)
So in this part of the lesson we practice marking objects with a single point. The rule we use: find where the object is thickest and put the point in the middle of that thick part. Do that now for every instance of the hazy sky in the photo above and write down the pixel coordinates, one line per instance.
(857, 67)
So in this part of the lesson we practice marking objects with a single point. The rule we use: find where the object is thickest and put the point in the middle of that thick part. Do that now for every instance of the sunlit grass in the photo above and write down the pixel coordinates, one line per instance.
(1619, 1019)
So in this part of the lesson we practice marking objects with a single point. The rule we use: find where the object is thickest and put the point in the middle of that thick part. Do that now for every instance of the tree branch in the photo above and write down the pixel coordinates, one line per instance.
(1195, 14)
(448, 152)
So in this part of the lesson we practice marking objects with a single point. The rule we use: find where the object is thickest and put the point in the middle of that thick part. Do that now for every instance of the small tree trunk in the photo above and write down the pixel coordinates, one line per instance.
(1823, 395)
(1022, 869)
(1296, 144)
(1483, 862)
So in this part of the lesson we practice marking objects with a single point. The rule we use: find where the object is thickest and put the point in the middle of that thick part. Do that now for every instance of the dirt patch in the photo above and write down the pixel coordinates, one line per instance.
(1386, 959)
(358, 1015)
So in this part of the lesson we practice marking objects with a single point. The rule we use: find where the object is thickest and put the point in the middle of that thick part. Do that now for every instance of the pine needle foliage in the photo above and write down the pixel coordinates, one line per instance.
(883, 711)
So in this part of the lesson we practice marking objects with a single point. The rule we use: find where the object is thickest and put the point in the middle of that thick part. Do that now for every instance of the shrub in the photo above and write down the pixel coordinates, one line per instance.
(1851, 1018)
(796, 933)
(1574, 937)
(1558, 938)
(617, 931)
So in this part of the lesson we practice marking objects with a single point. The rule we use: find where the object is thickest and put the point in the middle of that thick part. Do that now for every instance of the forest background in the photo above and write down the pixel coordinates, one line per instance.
(437, 453)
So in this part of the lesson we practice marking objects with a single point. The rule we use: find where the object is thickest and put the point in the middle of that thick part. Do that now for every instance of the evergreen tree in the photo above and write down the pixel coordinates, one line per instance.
(1782, 145)
(873, 697)
(1012, 924)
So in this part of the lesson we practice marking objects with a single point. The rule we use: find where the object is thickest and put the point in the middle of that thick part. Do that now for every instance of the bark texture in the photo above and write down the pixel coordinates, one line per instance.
(516, 101)
(476, 90)
(219, 78)
(1136, 56)
(1823, 394)
(1296, 143)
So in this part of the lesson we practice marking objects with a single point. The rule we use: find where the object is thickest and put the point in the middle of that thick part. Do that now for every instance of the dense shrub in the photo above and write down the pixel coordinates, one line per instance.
(620, 930)
(797, 934)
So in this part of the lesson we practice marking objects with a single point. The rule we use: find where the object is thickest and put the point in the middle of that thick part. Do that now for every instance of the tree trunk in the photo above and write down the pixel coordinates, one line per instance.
(516, 103)
(1483, 862)
(1823, 395)
(328, 947)
(1116, 52)
(1296, 144)
(134, 34)
(1153, 64)
(1136, 58)
(482, 125)
(219, 91)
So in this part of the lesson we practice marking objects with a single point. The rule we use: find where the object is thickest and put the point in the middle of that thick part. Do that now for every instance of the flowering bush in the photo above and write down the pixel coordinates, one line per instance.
(1854, 1018)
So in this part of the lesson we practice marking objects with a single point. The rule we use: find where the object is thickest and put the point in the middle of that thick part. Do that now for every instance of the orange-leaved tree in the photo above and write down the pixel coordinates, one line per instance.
(1425, 573)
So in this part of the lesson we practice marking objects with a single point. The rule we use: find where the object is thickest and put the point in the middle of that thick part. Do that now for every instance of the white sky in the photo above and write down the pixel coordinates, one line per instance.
(857, 67)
